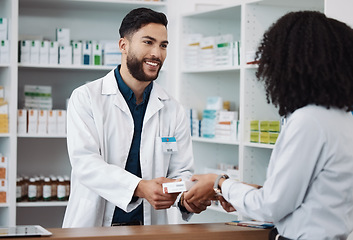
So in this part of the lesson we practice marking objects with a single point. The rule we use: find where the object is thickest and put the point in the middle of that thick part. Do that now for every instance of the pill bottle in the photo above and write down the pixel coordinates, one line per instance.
(46, 189)
(19, 189)
(61, 194)
(25, 188)
(54, 187)
(67, 187)
(39, 185)
(32, 190)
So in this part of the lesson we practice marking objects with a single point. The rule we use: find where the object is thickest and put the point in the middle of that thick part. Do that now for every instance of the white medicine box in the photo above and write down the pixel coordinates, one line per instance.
(34, 52)
(65, 55)
(25, 47)
(76, 53)
(61, 121)
(111, 53)
(32, 121)
(63, 36)
(44, 52)
(52, 122)
(4, 51)
(53, 53)
(42, 121)
(22, 121)
(3, 29)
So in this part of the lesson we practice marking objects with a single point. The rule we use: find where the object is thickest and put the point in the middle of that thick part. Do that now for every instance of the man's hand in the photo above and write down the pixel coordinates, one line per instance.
(152, 191)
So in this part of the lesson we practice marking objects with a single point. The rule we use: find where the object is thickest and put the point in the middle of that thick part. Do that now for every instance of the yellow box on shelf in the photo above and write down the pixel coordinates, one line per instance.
(273, 137)
(254, 136)
(274, 126)
(264, 126)
(254, 125)
(264, 137)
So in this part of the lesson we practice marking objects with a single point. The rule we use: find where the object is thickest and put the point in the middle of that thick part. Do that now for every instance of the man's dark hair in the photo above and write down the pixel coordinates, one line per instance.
(306, 58)
(138, 18)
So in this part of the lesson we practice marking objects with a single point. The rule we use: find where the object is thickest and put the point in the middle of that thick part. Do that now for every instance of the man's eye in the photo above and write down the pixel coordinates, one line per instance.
(148, 42)
(164, 45)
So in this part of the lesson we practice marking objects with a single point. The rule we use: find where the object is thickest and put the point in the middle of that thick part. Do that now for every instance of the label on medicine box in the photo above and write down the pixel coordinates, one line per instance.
(176, 187)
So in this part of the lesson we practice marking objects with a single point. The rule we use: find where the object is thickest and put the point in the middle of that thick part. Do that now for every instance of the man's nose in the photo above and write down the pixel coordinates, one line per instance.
(156, 52)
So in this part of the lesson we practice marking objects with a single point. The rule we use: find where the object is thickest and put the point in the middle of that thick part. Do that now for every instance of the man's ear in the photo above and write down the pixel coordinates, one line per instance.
(123, 45)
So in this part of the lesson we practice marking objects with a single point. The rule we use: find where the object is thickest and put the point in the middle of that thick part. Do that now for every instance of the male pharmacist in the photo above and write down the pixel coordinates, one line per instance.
(118, 132)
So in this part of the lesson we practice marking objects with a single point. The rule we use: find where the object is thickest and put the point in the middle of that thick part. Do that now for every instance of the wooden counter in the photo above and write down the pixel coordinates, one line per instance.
(159, 232)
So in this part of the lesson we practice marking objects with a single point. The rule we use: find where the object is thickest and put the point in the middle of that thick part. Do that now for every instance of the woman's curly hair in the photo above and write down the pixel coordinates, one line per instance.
(306, 58)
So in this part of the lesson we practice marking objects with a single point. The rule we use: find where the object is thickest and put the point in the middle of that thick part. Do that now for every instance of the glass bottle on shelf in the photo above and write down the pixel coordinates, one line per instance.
(46, 189)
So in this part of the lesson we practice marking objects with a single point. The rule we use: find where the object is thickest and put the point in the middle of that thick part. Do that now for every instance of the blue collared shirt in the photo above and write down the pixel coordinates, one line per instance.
(133, 160)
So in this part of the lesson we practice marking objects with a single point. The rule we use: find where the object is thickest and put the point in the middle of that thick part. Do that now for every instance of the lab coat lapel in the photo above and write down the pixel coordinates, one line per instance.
(155, 103)
(110, 87)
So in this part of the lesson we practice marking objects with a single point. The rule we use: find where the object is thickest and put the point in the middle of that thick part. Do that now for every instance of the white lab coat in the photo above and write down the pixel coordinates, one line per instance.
(99, 134)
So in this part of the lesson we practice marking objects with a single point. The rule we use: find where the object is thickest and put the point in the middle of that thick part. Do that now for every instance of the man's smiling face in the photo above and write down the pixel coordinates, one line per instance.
(147, 51)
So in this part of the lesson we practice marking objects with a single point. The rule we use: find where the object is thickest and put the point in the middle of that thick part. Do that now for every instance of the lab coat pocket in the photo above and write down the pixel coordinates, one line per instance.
(161, 158)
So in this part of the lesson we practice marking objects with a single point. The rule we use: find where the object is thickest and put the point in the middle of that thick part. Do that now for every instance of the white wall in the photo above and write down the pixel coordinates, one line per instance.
(340, 10)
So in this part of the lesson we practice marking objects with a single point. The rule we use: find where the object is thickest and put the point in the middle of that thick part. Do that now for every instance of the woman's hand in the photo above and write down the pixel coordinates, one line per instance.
(202, 190)
(226, 205)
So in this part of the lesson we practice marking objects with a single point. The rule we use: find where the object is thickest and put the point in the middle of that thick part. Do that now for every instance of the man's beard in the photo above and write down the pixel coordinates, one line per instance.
(135, 68)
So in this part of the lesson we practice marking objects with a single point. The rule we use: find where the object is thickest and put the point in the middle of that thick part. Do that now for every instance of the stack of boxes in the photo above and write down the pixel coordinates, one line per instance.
(4, 42)
(264, 131)
(41, 122)
(3, 178)
(227, 125)
(64, 51)
(38, 116)
(208, 52)
(217, 121)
